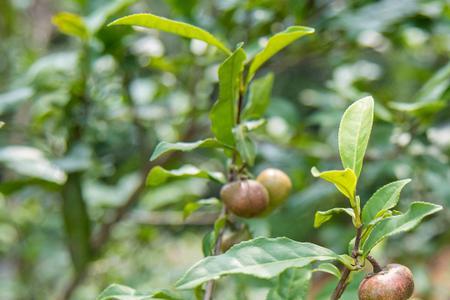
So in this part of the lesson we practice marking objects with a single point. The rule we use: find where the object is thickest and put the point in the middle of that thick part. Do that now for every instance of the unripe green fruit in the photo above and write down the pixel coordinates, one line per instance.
(394, 282)
(245, 198)
(277, 184)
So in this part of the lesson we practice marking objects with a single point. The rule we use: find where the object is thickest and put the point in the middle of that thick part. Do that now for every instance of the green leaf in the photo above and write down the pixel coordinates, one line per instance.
(71, 24)
(261, 257)
(292, 284)
(382, 200)
(254, 124)
(398, 224)
(77, 223)
(275, 44)
(175, 27)
(258, 97)
(159, 175)
(223, 113)
(344, 180)
(328, 268)
(354, 133)
(192, 207)
(208, 243)
(210, 239)
(324, 216)
(121, 292)
(244, 144)
(31, 162)
(164, 147)
(429, 98)
(379, 217)
(14, 98)
(98, 18)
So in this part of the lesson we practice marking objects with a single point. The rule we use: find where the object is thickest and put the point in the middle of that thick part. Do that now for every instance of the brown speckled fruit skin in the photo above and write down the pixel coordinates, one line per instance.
(395, 282)
(277, 184)
(245, 198)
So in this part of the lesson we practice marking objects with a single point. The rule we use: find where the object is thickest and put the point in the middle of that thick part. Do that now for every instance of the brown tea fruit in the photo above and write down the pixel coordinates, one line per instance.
(245, 198)
(277, 184)
(394, 282)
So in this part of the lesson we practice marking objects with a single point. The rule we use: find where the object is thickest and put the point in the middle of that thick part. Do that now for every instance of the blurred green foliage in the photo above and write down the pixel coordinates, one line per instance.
(82, 116)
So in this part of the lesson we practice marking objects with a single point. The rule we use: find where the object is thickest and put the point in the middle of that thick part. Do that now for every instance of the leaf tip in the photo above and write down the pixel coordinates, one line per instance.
(113, 23)
(315, 172)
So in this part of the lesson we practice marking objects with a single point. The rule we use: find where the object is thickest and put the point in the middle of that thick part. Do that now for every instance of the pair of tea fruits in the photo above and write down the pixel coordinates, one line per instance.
(250, 198)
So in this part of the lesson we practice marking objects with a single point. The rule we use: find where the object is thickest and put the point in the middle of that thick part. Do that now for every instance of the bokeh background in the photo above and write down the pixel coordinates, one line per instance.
(83, 116)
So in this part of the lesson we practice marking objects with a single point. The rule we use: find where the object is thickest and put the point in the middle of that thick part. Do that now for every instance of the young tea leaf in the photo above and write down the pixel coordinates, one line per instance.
(31, 162)
(208, 243)
(328, 268)
(429, 98)
(121, 292)
(210, 239)
(223, 113)
(398, 224)
(344, 180)
(258, 97)
(244, 144)
(77, 223)
(354, 133)
(192, 207)
(324, 216)
(159, 175)
(292, 284)
(261, 257)
(71, 24)
(164, 147)
(382, 200)
(275, 44)
(175, 27)
(97, 19)
(254, 124)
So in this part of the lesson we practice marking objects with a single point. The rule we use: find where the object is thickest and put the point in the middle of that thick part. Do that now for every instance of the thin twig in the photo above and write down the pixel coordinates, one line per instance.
(343, 282)
(375, 265)
(104, 232)
(102, 236)
(209, 288)
(233, 172)
(174, 218)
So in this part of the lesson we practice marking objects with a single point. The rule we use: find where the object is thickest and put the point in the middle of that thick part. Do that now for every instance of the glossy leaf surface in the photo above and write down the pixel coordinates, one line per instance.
(159, 175)
(399, 224)
(382, 200)
(175, 27)
(354, 133)
(261, 257)
(223, 113)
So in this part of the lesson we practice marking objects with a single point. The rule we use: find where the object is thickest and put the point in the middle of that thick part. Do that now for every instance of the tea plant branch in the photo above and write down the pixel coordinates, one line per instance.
(102, 236)
(209, 289)
(343, 282)
(375, 265)
(174, 218)
(105, 230)
(233, 172)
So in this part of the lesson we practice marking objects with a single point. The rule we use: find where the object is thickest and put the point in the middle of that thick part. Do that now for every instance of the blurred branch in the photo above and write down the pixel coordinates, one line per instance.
(103, 234)
(209, 289)
(174, 218)
(101, 237)
(233, 173)
(343, 282)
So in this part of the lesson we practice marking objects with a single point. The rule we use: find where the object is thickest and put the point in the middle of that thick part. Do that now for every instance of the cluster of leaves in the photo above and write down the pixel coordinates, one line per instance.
(146, 87)
(268, 257)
